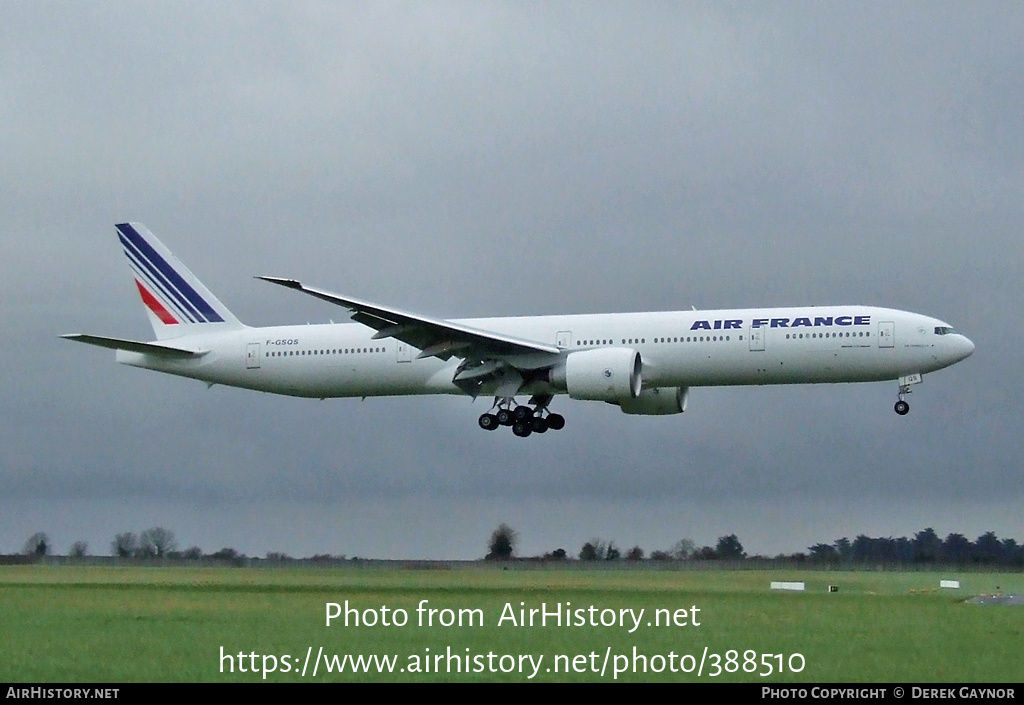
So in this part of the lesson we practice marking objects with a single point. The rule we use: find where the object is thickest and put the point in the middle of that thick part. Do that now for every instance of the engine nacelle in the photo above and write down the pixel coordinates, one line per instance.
(605, 374)
(657, 401)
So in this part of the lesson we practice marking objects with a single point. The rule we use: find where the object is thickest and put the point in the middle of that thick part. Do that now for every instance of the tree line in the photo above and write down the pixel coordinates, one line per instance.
(154, 543)
(502, 544)
(924, 548)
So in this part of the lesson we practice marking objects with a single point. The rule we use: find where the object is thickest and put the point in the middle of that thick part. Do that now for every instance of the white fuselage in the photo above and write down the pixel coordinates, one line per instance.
(677, 349)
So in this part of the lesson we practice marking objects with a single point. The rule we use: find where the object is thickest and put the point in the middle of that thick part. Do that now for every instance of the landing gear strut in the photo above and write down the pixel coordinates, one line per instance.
(902, 407)
(524, 420)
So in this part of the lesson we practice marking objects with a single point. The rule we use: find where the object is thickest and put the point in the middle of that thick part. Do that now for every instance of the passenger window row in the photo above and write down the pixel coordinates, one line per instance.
(845, 334)
(677, 339)
(329, 351)
(722, 338)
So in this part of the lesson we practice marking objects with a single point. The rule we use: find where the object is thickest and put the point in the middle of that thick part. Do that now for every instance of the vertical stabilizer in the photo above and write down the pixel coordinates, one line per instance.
(176, 301)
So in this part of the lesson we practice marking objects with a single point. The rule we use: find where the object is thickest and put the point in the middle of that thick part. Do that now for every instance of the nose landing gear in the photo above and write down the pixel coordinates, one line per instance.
(902, 407)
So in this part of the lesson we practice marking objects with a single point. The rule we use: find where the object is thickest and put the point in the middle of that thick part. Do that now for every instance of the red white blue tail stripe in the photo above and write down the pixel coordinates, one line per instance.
(164, 291)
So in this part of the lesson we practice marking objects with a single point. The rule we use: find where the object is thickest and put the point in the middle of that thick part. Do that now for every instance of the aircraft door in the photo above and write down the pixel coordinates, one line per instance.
(886, 334)
(252, 356)
(404, 351)
(564, 339)
(756, 339)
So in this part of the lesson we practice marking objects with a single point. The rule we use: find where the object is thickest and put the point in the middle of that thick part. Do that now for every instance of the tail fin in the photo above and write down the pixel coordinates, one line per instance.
(176, 301)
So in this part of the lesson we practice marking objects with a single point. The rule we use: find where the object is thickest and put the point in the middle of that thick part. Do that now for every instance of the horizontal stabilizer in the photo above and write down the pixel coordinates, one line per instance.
(135, 346)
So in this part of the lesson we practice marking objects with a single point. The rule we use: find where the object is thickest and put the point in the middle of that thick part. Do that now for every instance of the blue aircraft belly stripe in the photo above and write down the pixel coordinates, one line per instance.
(154, 276)
(171, 274)
(157, 288)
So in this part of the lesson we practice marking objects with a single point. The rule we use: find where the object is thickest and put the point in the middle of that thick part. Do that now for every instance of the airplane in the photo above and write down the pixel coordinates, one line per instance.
(645, 363)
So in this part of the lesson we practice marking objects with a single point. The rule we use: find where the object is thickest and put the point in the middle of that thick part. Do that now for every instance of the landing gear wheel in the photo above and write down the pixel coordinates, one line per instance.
(522, 429)
(539, 424)
(488, 422)
(556, 422)
(902, 408)
(523, 413)
(504, 417)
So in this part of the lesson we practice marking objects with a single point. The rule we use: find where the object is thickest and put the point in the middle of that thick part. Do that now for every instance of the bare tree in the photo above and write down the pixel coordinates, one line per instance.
(124, 545)
(503, 543)
(38, 544)
(78, 549)
(157, 542)
(683, 550)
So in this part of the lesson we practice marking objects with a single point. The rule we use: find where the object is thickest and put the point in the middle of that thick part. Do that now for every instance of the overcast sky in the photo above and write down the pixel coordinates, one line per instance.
(482, 159)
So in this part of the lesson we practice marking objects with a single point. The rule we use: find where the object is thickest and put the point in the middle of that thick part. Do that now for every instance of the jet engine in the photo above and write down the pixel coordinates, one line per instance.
(657, 401)
(605, 374)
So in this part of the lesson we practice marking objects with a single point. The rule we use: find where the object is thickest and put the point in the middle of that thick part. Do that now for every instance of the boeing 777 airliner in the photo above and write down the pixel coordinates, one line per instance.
(643, 362)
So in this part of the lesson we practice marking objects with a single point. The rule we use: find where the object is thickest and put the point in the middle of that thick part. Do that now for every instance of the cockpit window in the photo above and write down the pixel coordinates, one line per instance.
(944, 330)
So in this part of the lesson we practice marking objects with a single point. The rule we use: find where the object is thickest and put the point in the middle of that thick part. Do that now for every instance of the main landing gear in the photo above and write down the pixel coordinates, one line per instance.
(523, 420)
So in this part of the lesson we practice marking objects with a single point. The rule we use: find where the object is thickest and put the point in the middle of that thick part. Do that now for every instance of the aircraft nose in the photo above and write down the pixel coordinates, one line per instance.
(967, 347)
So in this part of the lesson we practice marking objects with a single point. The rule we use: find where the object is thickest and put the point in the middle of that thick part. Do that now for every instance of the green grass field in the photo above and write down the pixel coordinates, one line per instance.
(92, 624)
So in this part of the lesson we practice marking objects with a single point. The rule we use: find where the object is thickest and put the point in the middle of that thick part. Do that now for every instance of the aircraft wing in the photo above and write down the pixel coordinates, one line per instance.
(435, 337)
